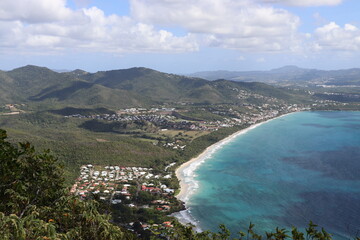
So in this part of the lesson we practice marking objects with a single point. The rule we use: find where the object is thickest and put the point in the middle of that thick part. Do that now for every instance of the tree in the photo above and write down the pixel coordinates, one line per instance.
(27, 179)
(34, 203)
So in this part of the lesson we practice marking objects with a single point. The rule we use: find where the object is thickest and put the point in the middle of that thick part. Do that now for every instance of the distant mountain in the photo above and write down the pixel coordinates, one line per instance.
(124, 88)
(78, 72)
(289, 69)
(288, 75)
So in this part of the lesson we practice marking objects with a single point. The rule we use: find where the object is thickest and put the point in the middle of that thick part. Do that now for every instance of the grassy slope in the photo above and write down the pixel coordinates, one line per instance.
(75, 146)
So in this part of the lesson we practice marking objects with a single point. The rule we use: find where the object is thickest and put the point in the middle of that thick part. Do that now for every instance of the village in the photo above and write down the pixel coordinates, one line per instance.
(175, 129)
(167, 119)
(132, 187)
(253, 108)
(112, 181)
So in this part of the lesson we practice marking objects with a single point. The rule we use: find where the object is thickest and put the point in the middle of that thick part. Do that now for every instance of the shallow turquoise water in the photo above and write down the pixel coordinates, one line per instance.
(301, 167)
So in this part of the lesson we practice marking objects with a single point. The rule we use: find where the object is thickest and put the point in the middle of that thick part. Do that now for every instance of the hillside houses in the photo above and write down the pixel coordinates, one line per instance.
(113, 183)
(164, 119)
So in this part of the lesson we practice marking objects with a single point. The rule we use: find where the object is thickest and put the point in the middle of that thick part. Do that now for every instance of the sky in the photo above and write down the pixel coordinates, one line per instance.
(180, 36)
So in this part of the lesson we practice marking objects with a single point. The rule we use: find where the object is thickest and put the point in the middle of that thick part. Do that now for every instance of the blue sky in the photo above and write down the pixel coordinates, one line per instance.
(180, 36)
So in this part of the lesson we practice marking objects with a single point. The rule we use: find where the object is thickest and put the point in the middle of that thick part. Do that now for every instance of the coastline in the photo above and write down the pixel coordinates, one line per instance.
(185, 172)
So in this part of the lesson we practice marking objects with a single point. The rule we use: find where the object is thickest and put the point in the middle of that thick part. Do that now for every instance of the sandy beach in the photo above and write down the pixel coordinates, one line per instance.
(186, 170)
(185, 174)
(181, 173)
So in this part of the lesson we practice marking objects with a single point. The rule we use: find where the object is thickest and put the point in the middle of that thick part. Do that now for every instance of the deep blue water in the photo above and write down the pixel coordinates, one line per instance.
(301, 167)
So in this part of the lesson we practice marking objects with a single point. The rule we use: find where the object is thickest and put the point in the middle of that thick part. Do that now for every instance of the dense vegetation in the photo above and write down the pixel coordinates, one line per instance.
(34, 203)
(39, 87)
(75, 146)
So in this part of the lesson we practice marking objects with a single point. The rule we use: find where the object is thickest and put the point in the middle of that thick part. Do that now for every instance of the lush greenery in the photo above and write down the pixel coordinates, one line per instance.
(75, 146)
(40, 87)
(312, 232)
(34, 203)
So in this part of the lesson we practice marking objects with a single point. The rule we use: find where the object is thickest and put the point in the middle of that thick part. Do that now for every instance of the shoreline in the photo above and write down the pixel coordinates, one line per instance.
(185, 172)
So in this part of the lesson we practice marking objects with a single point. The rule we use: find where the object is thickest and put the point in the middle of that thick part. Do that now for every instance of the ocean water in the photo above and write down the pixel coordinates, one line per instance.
(300, 167)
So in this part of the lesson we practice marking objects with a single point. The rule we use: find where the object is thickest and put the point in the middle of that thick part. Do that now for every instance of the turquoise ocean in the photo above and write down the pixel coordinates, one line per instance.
(299, 167)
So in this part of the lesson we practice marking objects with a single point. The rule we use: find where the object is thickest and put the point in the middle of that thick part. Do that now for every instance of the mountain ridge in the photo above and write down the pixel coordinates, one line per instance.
(288, 74)
(136, 86)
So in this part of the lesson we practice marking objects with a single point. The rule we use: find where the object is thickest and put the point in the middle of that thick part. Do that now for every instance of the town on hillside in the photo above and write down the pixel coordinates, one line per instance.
(133, 188)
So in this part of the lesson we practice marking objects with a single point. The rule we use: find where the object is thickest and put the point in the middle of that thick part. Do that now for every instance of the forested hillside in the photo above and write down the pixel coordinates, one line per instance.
(40, 86)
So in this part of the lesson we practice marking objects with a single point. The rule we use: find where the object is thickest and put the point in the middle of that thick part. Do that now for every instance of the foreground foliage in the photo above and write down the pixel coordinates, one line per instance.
(34, 204)
(186, 233)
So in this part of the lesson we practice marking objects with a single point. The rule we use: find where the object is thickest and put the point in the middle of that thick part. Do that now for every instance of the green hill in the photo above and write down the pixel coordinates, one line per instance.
(123, 88)
(289, 75)
(155, 85)
(31, 80)
(6, 94)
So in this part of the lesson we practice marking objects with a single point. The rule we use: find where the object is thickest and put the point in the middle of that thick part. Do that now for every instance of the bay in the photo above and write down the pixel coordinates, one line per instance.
(300, 167)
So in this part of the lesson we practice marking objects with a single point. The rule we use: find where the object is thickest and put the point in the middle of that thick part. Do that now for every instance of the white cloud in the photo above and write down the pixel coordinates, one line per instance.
(335, 37)
(305, 3)
(33, 11)
(234, 24)
(43, 25)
